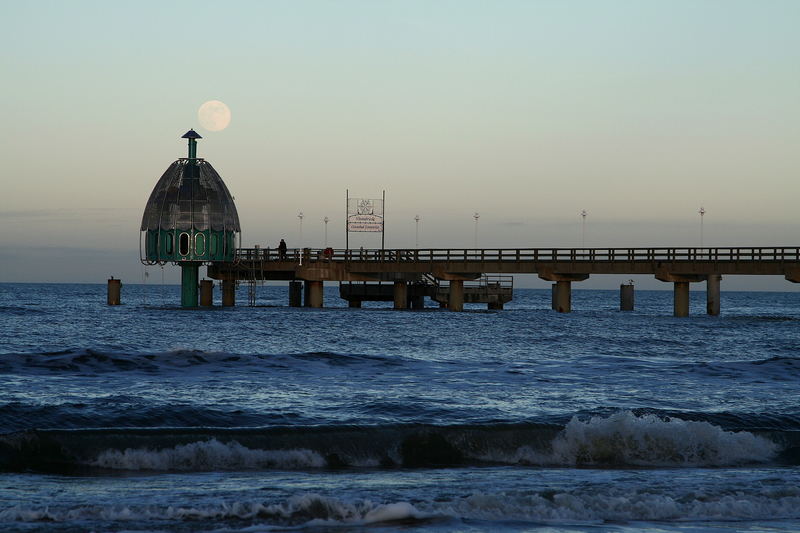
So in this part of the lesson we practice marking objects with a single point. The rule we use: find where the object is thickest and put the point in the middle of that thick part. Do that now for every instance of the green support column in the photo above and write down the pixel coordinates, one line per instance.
(189, 275)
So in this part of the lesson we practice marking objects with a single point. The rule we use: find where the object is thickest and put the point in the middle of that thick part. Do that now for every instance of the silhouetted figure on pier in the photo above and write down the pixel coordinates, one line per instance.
(282, 249)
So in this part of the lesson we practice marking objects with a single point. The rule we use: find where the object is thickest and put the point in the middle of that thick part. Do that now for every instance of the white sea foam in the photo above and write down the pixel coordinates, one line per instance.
(588, 505)
(648, 440)
(206, 456)
(310, 509)
(625, 505)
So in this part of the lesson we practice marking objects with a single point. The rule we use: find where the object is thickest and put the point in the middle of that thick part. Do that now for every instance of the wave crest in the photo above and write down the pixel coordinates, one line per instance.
(207, 456)
(649, 440)
(302, 509)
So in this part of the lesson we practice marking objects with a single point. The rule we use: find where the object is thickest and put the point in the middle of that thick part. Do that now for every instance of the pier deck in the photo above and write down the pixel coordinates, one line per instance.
(562, 266)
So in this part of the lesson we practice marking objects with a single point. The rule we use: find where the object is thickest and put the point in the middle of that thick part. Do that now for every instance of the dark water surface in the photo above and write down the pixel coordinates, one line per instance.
(146, 417)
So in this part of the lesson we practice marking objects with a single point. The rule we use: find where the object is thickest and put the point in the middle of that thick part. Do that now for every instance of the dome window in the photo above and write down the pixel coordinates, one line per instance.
(199, 244)
(183, 244)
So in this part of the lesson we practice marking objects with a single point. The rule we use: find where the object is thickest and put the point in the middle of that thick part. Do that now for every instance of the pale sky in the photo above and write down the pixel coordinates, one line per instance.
(639, 112)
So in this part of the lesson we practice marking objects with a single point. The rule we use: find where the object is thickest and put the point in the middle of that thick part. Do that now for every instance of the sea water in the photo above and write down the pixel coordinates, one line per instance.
(148, 417)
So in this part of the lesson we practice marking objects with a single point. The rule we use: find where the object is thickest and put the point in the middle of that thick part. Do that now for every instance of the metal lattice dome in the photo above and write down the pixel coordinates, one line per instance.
(190, 215)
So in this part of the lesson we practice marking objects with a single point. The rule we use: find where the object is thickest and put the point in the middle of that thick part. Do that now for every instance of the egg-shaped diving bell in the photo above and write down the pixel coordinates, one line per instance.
(190, 220)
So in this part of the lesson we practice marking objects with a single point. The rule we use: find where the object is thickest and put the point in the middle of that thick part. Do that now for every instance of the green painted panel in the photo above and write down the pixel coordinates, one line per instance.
(189, 277)
(164, 245)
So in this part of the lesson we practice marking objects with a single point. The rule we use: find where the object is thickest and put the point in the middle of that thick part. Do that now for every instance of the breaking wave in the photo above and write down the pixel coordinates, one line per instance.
(648, 440)
(621, 439)
(207, 456)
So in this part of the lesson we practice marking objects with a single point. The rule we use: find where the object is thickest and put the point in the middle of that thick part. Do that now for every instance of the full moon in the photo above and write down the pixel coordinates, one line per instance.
(214, 115)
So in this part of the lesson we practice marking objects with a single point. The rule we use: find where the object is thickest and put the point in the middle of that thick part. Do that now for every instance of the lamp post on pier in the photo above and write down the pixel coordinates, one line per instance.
(702, 212)
(300, 216)
(583, 228)
(326, 220)
(416, 238)
(476, 216)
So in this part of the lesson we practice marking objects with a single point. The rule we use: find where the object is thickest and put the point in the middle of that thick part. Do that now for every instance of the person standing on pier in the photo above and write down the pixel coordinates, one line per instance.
(282, 249)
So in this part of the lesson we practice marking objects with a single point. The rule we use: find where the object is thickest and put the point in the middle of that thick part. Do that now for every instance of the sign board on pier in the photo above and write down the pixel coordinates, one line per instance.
(364, 215)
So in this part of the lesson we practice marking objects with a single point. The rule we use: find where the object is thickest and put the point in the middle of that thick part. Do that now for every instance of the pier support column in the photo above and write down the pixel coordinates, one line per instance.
(680, 305)
(400, 295)
(626, 297)
(562, 288)
(456, 299)
(712, 294)
(314, 293)
(681, 298)
(793, 275)
(554, 297)
(564, 296)
(295, 293)
(228, 293)
(206, 293)
(417, 301)
(495, 306)
(189, 275)
(306, 294)
(114, 291)
(356, 304)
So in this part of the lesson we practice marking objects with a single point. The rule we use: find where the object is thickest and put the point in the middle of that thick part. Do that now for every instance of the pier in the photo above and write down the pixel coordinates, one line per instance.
(190, 220)
(409, 269)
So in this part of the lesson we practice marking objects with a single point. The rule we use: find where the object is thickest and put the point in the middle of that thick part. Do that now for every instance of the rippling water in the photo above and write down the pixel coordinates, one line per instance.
(146, 417)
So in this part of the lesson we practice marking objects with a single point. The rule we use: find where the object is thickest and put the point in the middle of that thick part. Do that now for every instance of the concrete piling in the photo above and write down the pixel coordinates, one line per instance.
(206, 293)
(114, 291)
(315, 289)
(228, 293)
(626, 297)
(563, 296)
(400, 295)
(456, 299)
(712, 294)
(295, 294)
(681, 302)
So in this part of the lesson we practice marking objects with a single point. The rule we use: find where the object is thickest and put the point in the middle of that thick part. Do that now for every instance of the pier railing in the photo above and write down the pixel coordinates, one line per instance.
(536, 255)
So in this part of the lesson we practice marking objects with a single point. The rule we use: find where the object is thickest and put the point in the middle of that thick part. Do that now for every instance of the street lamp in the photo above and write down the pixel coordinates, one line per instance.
(416, 239)
(702, 212)
(326, 219)
(476, 216)
(300, 216)
(583, 228)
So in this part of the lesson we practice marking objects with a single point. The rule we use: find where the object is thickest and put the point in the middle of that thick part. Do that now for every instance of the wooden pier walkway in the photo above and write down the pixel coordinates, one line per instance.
(562, 266)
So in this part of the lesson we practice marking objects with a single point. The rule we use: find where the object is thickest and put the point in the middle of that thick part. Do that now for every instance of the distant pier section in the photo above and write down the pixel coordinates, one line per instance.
(455, 276)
